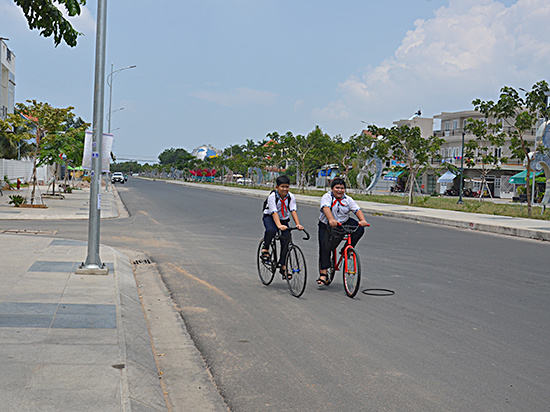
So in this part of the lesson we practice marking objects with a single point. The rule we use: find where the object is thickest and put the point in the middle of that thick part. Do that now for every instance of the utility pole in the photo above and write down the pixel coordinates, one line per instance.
(93, 265)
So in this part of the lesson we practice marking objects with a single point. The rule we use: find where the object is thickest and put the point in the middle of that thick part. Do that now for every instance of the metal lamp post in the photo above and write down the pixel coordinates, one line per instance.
(93, 265)
(110, 79)
(460, 201)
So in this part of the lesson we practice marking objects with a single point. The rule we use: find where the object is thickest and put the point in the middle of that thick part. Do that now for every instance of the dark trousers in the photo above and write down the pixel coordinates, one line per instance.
(324, 255)
(271, 231)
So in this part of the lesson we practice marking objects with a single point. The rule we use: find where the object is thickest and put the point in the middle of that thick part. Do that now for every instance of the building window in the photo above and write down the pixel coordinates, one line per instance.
(464, 124)
(447, 126)
(455, 124)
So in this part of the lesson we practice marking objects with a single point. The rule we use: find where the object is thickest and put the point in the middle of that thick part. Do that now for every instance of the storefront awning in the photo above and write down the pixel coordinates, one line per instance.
(519, 178)
(393, 175)
(446, 177)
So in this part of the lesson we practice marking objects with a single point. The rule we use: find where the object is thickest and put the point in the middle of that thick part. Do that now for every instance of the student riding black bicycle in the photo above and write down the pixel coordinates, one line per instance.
(279, 206)
(335, 209)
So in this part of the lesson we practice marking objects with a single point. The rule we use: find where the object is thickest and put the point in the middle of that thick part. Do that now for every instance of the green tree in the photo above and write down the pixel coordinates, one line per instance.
(323, 154)
(46, 17)
(345, 153)
(408, 146)
(179, 158)
(300, 149)
(15, 138)
(520, 116)
(485, 147)
(57, 142)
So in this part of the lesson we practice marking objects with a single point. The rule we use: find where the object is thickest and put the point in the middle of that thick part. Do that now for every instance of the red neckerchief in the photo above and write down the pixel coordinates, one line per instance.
(337, 201)
(283, 206)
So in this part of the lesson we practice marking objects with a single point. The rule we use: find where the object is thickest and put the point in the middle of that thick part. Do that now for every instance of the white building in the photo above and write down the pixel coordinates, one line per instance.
(7, 80)
(452, 126)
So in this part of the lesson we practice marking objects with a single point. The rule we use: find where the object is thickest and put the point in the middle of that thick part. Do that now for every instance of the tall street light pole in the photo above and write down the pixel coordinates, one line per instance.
(93, 265)
(460, 201)
(110, 79)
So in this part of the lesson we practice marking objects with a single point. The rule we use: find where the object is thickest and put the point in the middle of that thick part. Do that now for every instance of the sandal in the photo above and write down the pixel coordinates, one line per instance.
(284, 274)
(323, 281)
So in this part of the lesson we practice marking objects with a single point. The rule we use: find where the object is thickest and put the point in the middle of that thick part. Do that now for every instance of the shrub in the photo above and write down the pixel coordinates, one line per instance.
(17, 200)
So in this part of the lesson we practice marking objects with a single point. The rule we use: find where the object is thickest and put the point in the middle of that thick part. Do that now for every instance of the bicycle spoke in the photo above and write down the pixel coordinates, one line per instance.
(296, 270)
(266, 268)
(352, 273)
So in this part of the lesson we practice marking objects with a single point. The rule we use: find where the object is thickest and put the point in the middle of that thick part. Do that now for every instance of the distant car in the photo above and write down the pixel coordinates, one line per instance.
(244, 181)
(117, 177)
(135, 174)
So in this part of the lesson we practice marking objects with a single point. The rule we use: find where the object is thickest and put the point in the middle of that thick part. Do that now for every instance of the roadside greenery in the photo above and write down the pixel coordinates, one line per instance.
(520, 115)
(55, 135)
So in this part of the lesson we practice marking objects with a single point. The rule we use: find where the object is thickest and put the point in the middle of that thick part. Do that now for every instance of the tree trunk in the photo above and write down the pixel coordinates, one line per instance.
(528, 188)
(410, 185)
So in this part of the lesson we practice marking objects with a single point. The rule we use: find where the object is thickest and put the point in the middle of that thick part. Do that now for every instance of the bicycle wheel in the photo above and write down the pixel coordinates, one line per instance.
(297, 269)
(352, 273)
(331, 270)
(266, 269)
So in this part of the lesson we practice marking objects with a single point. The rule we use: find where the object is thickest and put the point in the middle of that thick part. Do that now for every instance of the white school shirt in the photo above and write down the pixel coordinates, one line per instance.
(340, 207)
(274, 206)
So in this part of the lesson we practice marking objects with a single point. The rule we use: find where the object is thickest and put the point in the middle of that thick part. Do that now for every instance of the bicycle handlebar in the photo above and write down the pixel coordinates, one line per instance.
(290, 229)
(351, 229)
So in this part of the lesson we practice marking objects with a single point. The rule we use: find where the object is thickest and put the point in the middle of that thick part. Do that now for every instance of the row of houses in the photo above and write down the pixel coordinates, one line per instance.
(452, 126)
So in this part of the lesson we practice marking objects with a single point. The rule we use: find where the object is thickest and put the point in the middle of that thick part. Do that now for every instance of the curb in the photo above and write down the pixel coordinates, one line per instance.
(140, 388)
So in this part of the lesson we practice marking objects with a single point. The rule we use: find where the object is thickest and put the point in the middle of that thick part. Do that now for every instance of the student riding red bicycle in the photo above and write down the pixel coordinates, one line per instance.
(335, 209)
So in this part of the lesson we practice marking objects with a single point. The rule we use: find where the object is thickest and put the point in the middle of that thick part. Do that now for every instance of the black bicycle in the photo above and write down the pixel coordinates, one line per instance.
(295, 263)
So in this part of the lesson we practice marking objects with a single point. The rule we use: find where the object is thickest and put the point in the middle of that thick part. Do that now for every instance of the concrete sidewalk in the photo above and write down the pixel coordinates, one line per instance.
(72, 342)
(503, 225)
(73, 205)
(79, 343)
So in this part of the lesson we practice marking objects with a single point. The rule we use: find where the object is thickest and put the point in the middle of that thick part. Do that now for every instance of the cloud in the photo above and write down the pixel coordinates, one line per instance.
(298, 104)
(333, 111)
(468, 48)
(240, 96)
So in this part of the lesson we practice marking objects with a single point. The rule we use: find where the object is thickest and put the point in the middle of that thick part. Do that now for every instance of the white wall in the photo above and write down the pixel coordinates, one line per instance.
(22, 169)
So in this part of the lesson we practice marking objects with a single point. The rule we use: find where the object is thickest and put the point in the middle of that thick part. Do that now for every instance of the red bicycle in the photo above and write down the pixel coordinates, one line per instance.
(351, 265)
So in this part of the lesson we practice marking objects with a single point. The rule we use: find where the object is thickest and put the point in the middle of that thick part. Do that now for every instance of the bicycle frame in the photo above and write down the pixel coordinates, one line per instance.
(343, 253)
(277, 237)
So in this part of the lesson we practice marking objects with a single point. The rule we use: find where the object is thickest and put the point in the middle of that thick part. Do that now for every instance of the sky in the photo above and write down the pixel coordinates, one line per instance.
(220, 72)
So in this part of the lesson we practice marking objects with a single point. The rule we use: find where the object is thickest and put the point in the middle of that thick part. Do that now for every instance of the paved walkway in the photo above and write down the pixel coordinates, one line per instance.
(504, 225)
(73, 205)
(79, 343)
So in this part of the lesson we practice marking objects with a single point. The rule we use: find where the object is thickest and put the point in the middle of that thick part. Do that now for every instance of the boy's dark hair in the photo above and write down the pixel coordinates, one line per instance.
(283, 180)
(338, 181)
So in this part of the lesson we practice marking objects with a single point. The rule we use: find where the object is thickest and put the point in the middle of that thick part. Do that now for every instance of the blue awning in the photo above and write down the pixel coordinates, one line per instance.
(393, 175)
(519, 178)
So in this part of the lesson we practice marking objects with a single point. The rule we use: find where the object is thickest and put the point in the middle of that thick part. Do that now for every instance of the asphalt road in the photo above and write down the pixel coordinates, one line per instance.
(467, 328)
